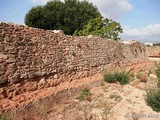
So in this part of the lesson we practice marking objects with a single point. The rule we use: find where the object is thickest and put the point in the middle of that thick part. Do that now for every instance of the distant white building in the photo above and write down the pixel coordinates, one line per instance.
(128, 42)
(149, 44)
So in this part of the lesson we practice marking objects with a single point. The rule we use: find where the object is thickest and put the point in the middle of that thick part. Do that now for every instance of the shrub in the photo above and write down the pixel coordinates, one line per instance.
(153, 99)
(84, 93)
(158, 72)
(122, 77)
(110, 77)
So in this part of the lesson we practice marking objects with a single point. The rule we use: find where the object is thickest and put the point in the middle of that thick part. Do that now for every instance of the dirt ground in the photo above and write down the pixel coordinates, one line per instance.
(111, 102)
(107, 102)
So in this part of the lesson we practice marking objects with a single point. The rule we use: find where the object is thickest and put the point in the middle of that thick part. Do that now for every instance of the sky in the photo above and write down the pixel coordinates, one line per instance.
(140, 19)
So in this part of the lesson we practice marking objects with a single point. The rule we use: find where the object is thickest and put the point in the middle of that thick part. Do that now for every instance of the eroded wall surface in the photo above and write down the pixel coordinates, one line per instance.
(28, 53)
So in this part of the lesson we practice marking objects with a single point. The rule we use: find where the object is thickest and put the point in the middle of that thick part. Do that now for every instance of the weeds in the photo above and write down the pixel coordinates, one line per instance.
(84, 93)
(102, 83)
(132, 75)
(158, 84)
(21, 44)
(115, 96)
(153, 99)
(139, 75)
(158, 72)
(42, 110)
(4, 117)
(121, 77)
(106, 111)
(74, 54)
(149, 72)
(110, 77)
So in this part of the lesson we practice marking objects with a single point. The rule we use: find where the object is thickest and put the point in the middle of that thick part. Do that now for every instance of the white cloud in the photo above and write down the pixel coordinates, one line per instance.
(150, 33)
(112, 9)
(40, 1)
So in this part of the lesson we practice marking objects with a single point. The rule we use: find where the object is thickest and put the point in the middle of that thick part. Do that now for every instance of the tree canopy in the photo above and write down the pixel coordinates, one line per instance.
(101, 27)
(69, 16)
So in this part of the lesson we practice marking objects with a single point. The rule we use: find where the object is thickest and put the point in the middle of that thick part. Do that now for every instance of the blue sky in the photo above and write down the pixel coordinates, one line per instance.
(140, 19)
(143, 13)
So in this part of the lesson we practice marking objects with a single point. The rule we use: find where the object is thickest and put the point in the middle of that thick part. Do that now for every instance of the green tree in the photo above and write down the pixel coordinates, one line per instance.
(68, 16)
(101, 27)
(34, 18)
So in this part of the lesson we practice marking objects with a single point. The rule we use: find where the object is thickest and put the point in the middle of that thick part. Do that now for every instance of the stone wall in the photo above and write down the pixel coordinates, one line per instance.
(28, 53)
(154, 50)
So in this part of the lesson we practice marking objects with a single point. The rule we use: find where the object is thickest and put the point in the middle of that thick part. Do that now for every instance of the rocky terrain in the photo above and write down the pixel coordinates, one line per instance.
(108, 101)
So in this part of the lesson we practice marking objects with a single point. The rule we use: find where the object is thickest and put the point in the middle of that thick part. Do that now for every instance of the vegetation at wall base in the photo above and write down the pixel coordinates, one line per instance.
(153, 99)
(85, 92)
(139, 75)
(110, 77)
(121, 77)
(158, 72)
(4, 117)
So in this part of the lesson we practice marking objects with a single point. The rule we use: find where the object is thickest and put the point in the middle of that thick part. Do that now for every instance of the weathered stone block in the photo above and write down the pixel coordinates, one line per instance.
(2, 70)
(11, 60)
(15, 78)
(32, 75)
(2, 56)
(1, 60)
(2, 47)
(24, 76)
(13, 51)
(55, 76)
(10, 71)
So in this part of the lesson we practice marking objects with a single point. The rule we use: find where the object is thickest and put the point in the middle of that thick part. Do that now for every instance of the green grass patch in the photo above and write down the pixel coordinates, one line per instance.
(153, 99)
